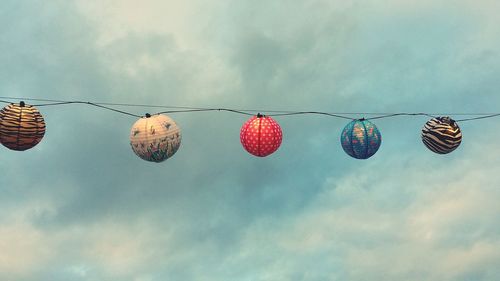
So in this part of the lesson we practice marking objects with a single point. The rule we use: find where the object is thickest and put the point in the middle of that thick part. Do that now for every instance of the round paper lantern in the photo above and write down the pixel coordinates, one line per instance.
(261, 135)
(360, 139)
(155, 138)
(21, 126)
(441, 135)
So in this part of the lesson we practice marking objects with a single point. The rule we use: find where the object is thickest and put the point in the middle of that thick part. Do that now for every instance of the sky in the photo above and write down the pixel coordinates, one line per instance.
(82, 206)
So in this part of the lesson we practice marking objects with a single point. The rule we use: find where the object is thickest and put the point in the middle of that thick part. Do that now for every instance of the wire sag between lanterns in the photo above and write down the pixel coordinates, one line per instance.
(157, 137)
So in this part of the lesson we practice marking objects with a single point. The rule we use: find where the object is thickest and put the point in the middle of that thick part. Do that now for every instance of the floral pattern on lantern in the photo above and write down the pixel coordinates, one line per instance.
(360, 139)
(155, 138)
(261, 135)
(21, 126)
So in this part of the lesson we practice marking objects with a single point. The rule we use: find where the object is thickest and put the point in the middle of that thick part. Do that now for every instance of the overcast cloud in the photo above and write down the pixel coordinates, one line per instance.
(82, 206)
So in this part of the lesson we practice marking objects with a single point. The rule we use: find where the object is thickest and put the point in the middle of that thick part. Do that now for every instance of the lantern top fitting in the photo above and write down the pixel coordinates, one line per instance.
(446, 119)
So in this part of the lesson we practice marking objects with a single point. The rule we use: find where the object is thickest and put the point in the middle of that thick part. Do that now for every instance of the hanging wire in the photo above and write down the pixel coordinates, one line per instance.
(57, 102)
(250, 112)
(312, 112)
(404, 114)
(480, 117)
(207, 109)
(115, 110)
(88, 103)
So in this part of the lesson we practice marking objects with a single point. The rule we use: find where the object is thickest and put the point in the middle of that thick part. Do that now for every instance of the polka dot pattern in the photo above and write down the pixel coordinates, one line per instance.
(261, 136)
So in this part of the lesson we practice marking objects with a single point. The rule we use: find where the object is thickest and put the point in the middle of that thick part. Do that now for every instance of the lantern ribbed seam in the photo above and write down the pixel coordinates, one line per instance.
(351, 131)
(146, 131)
(275, 135)
(366, 139)
(156, 125)
(258, 136)
(33, 143)
(19, 126)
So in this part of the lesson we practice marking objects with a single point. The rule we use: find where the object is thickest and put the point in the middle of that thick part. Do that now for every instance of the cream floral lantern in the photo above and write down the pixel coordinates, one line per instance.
(155, 138)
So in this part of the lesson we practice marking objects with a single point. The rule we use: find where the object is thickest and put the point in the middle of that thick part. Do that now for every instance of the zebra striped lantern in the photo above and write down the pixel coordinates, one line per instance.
(261, 135)
(441, 135)
(360, 139)
(155, 138)
(21, 126)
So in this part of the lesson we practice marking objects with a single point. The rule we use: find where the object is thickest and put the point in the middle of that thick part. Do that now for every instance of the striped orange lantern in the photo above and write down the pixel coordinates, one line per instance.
(21, 126)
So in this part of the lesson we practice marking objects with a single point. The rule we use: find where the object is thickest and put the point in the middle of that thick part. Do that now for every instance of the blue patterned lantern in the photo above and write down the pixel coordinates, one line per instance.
(360, 139)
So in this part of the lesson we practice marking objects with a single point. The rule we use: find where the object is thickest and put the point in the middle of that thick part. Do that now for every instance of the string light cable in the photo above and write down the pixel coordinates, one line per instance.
(170, 109)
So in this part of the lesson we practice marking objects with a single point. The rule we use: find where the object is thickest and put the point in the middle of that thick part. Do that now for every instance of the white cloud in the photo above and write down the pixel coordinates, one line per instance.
(411, 216)
(105, 248)
(22, 250)
(447, 230)
(117, 18)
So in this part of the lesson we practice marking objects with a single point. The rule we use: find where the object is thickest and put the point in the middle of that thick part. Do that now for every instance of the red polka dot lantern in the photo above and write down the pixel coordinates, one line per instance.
(261, 135)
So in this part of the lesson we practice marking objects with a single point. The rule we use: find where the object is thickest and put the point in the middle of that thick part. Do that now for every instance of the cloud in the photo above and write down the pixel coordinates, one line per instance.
(364, 226)
(82, 206)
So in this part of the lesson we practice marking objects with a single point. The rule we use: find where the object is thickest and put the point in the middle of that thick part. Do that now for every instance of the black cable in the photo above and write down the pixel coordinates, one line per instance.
(312, 112)
(56, 103)
(89, 103)
(235, 111)
(183, 109)
(115, 110)
(206, 109)
(480, 117)
(401, 114)
(147, 105)
(31, 99)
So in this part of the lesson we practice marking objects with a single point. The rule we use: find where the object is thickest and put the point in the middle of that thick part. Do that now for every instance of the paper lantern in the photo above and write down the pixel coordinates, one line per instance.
(21, 126)
(441, 135)
(261, 135)
(155, 138)
(360, 139)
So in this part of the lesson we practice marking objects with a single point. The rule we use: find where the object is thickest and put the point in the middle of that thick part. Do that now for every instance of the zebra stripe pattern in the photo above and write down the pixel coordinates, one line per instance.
(441, 135)
(21, 126)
